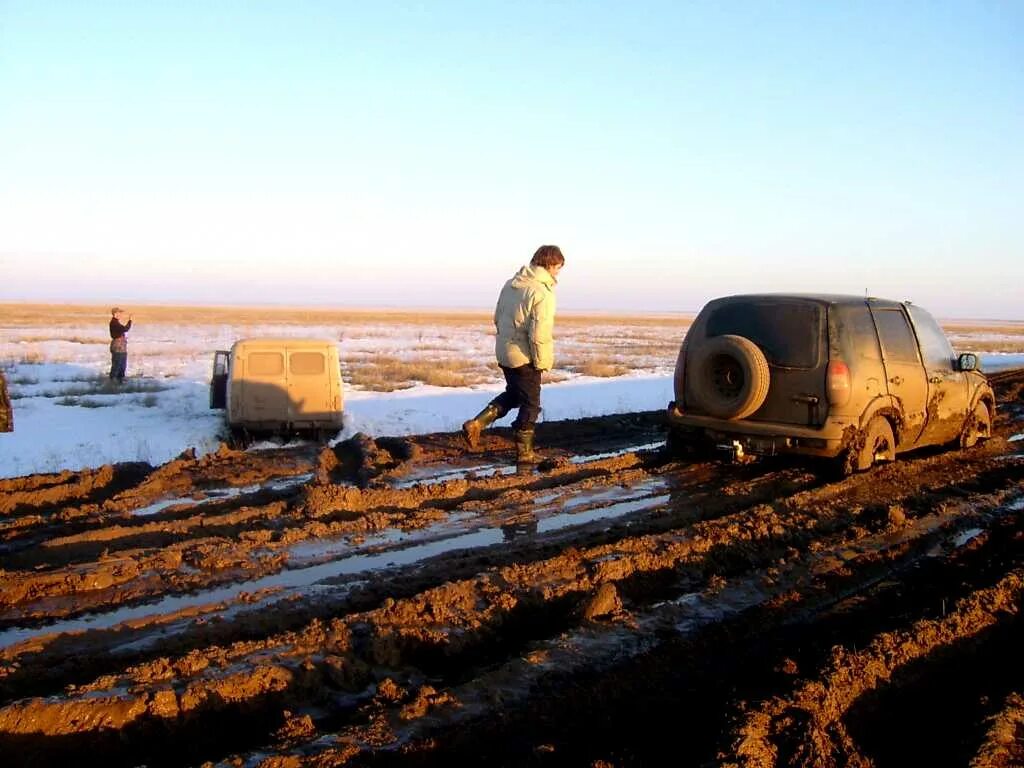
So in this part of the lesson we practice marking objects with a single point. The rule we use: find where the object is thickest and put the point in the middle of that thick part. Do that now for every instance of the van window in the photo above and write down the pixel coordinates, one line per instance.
(894, 332)
(266, 363)
(306, 363)
(788, 332)
(937, 351)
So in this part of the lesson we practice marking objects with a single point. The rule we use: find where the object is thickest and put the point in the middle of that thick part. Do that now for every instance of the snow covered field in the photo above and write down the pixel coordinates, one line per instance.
(67, 416)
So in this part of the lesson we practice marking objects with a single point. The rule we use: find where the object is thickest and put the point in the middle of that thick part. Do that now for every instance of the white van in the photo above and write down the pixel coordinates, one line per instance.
(279, 385)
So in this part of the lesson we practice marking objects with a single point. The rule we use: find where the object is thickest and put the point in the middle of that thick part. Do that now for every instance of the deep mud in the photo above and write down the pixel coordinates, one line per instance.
(405, 602)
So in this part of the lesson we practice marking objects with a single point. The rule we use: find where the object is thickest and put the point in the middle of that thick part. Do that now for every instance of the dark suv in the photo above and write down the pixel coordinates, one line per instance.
(835, 376)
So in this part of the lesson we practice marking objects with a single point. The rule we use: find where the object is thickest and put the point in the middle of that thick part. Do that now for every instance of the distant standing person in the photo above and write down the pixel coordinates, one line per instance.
(6, 414)
(524, 319)
(118, 344)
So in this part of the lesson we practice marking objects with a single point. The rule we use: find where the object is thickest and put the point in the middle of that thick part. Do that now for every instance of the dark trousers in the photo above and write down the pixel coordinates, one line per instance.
(118, 365)
(522, 391)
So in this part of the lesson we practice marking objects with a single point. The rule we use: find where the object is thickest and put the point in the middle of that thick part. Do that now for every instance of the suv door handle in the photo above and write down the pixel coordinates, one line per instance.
(897, 380)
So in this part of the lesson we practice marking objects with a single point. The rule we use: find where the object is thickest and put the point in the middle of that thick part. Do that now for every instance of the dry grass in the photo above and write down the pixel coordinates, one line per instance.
(385, 373)
(85, 402)
(104, 340)
(95, 385)
(28, 357)
(1008, 328)
(601, 366)
(988, 345)
(67, 315)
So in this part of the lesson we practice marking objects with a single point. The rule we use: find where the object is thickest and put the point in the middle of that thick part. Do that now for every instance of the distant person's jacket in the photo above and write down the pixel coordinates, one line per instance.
(118, 341)
(525, 320)
(6, 415)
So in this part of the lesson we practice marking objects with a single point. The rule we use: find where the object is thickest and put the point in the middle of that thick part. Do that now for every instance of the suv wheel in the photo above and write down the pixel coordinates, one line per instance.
(731, 377)
(879, 444)
(977, 427)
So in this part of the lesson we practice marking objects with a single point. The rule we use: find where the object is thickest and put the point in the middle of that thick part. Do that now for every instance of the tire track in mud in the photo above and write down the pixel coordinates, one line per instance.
(1003, 746)
(446, 607)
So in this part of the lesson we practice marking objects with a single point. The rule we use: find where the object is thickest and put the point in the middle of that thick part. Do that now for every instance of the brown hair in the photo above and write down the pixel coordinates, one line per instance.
(548, 256)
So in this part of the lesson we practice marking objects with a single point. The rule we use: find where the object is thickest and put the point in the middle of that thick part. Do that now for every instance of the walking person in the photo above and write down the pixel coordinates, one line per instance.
(118, 344)
(524, 318)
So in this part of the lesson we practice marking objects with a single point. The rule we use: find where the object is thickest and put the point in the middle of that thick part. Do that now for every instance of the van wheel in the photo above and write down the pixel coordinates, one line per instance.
(731, 377)
(977, 427)
(879, 444)
(239, 439)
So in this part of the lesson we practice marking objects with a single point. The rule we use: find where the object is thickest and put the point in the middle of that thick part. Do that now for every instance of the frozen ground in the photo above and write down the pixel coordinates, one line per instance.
(67, 417)
(50, 437)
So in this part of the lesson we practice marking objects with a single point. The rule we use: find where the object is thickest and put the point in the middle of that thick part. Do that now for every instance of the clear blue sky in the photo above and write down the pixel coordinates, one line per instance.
(416, 154)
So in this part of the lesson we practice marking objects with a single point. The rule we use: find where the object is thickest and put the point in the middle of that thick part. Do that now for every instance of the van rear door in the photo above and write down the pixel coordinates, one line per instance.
(264, 387)
(310, 385)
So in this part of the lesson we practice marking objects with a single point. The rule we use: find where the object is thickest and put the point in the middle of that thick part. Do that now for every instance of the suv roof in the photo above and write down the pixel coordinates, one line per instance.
(820, 298)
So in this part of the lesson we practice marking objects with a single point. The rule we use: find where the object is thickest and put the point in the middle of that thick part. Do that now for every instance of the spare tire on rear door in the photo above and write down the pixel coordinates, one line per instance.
(728, 376)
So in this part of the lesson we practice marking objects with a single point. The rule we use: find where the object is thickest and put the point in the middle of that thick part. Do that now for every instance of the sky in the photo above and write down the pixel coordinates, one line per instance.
(416, 154)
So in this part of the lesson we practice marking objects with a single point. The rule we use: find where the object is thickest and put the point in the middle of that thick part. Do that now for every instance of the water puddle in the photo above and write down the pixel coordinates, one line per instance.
(584, 458)
(312, 564)
(440, 475)
(221, 494)
(601, 513)
(965, 536)
(943, 548)
(437, 474)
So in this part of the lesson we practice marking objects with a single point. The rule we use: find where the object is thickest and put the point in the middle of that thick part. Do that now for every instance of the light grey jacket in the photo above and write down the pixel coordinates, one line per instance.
(525, 320)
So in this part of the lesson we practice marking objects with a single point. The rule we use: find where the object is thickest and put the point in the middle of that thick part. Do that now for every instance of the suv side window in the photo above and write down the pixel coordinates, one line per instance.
(856, 332)
(898, 343)
(938, 354)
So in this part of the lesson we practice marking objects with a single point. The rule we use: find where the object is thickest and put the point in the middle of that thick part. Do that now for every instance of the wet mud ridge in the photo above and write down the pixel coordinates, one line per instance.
(403, 602)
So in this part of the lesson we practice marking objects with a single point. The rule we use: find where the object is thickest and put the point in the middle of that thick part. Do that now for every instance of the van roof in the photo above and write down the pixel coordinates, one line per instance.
(283, 341)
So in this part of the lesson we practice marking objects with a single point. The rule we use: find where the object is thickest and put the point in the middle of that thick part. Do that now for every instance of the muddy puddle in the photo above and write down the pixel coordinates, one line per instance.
(312, 563)
(210, 495)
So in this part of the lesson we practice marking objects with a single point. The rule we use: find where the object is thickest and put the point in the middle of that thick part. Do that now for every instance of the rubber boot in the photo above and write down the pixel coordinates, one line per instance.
(525, 454)
(471, 429)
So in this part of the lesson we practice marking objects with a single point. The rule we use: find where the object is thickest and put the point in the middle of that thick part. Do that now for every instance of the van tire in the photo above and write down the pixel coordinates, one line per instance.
(730, 377)
(879, 444)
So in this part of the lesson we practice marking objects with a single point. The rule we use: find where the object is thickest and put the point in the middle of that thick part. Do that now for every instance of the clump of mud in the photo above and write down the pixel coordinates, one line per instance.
(361, 459)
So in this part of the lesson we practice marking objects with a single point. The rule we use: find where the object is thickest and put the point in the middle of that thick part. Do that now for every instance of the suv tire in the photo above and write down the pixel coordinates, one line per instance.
(730, 377)
(879, 444)
(977, 427)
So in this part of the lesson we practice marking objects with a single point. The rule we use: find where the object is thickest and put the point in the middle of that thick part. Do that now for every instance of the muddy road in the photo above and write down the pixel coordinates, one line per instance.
(401, 602)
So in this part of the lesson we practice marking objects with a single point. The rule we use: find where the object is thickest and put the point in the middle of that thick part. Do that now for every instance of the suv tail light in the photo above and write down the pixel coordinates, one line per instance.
(837, 383)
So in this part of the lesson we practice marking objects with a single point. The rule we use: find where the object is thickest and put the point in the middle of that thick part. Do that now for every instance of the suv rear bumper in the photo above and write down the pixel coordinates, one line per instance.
(764, 437)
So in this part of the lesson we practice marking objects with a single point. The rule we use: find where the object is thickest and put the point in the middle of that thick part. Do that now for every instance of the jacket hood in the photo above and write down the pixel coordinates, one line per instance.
(531, 273)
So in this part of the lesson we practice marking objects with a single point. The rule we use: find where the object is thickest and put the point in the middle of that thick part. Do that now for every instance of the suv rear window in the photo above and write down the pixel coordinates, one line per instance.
(788, 332)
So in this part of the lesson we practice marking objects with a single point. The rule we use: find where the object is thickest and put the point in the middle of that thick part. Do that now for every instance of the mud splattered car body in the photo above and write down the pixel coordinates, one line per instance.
(825, 375)
(279, 385)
